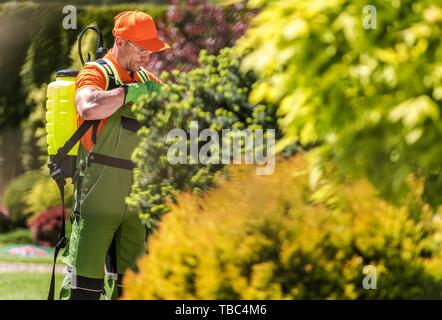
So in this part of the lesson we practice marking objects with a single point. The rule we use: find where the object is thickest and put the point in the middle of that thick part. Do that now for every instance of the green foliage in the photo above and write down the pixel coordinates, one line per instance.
(32, 193)
(17, 236)
(48, 50)
(265, 237)
(16, 23)
(33, 151)
(15, 195)
(45, 194)
(371, 97)
(216, 96)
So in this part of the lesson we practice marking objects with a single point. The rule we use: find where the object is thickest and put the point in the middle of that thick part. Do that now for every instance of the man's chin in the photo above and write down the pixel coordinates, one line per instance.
(133, 69)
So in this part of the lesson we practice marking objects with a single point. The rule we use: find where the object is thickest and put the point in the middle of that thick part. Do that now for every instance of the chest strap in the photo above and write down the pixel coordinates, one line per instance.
(130, 124)
(110, 161)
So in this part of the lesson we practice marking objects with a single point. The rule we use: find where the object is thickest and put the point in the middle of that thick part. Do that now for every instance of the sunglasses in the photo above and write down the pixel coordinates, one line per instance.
(140, 50)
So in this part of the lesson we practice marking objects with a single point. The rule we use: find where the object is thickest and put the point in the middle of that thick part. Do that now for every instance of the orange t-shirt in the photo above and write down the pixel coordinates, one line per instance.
(92, 76)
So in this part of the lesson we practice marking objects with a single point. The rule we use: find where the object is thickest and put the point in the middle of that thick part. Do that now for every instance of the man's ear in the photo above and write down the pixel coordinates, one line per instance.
(119, 41)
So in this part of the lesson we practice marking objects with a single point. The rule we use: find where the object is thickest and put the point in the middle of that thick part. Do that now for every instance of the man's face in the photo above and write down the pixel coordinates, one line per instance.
(134, 56)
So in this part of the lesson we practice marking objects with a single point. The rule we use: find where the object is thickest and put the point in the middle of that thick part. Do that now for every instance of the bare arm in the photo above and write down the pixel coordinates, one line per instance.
(93, 104)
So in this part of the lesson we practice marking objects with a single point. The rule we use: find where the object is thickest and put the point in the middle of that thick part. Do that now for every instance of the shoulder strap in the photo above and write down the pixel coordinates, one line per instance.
(63, 151)
(143, 75)
(112, 79)
(106, 66)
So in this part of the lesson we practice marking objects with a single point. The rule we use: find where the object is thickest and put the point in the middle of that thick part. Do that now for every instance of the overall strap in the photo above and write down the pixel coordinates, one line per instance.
(143, 75)
(112, 78)
(110, 72)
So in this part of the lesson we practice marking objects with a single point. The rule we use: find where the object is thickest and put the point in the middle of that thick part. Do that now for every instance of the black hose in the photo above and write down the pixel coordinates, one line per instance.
(100, 50)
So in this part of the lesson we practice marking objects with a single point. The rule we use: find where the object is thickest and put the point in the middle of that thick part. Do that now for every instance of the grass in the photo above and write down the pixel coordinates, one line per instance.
(7, 258)
(30, 286)
(26, 285)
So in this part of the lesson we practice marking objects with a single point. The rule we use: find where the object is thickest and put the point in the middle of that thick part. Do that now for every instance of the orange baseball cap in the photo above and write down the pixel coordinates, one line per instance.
(139, 28)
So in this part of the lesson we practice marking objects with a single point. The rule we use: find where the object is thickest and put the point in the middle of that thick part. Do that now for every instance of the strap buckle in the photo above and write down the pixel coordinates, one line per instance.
(62, 242)
(57, 173)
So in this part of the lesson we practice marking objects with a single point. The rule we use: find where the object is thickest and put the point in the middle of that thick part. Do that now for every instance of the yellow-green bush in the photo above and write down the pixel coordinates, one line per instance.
(15, 195)
(370, 96)
(32, 193)
(272, 237)
(45, 194)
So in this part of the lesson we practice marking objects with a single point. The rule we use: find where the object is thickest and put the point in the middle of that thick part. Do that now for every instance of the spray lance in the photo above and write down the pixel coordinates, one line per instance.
(100, 51)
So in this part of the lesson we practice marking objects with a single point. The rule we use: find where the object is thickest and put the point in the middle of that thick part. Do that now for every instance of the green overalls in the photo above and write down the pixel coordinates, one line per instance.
(104, 230)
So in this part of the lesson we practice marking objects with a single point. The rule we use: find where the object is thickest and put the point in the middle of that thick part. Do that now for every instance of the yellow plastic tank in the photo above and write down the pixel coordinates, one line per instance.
(61, 113)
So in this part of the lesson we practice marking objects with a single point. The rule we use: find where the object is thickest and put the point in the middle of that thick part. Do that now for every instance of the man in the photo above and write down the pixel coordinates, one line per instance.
(103, 229)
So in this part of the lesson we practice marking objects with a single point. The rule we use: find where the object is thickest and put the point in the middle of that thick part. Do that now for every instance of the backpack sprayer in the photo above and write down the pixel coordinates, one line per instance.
(62, 134)
(61, 113)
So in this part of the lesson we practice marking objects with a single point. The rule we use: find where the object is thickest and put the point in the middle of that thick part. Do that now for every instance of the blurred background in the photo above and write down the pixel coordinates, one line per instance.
(353, 90)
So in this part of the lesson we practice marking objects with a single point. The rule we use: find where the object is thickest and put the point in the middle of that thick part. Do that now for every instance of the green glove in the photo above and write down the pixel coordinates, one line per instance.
(133, 91)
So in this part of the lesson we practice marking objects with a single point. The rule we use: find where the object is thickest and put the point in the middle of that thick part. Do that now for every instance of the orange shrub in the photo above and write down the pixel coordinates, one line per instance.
(269, 237)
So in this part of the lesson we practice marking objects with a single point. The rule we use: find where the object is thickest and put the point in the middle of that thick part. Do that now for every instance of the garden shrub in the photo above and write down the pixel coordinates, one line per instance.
(15, 194)
(269, 237)
(16, 22)
(32, 193)
(371, 96)
(45, 226)
(45, 194)
(216, 96)
(48, 50)
(33, 153)
(16, 236)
